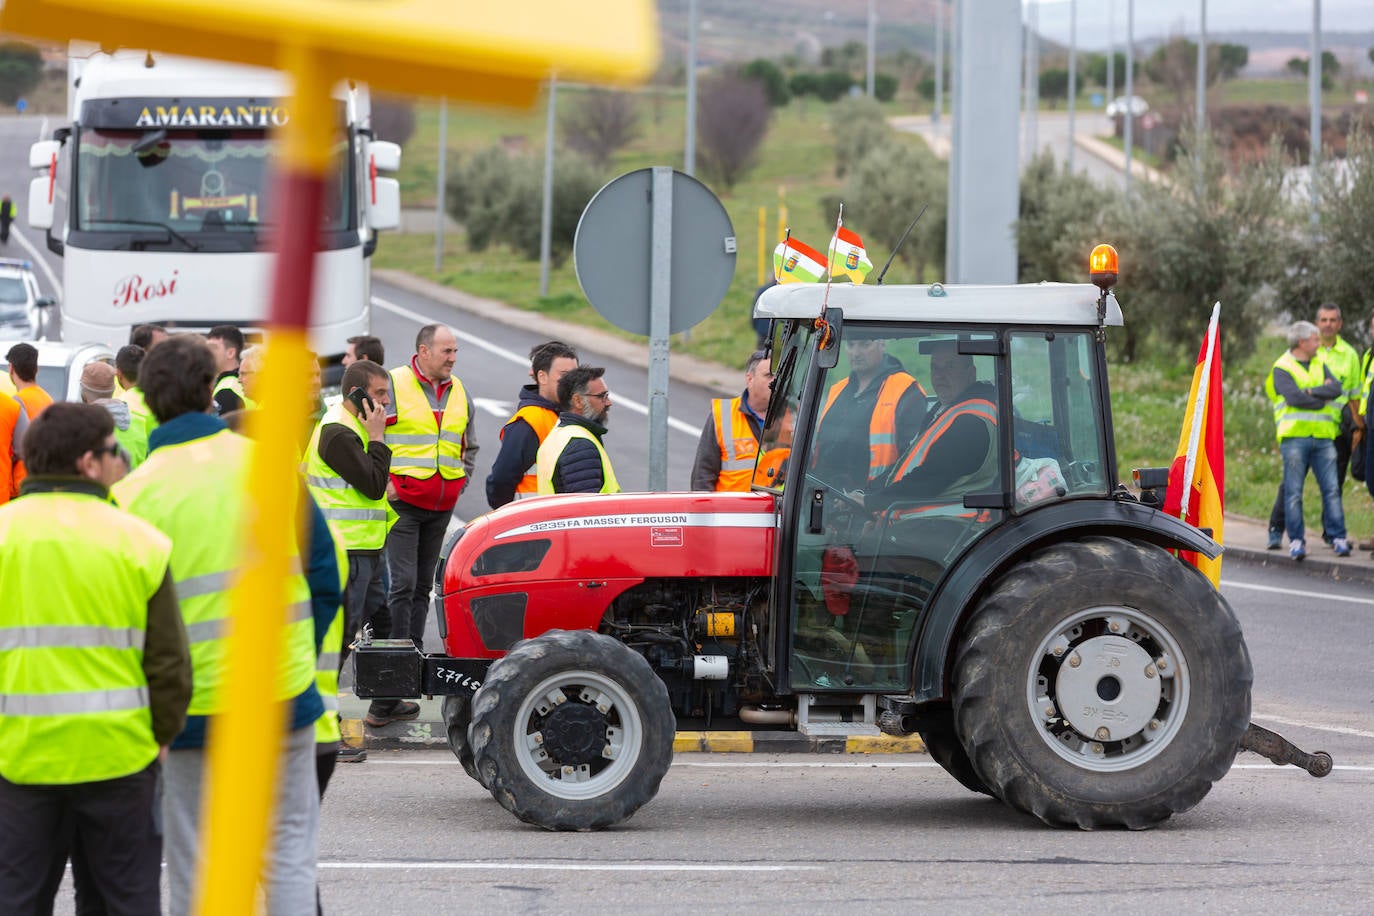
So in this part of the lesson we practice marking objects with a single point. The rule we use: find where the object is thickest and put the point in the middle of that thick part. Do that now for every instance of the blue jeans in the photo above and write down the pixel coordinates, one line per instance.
(1299, 454)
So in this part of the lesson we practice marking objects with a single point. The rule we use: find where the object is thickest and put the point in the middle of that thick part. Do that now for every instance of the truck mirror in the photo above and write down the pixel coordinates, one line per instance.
(40, 204)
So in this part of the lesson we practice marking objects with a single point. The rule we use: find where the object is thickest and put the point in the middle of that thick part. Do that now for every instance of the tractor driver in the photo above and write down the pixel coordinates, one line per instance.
(878, 405)
(956, 450)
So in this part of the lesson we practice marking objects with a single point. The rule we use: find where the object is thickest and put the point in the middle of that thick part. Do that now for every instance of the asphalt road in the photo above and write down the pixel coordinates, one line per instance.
(408, 832)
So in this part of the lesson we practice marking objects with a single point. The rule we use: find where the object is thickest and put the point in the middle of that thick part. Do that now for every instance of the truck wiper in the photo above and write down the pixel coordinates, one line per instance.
(172, 233)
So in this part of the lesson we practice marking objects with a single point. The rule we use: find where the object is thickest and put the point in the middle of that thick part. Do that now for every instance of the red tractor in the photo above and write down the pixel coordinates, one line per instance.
(958, 560)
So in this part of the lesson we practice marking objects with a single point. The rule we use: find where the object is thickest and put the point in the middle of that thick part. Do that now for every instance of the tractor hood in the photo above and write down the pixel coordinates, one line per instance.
(558, 561)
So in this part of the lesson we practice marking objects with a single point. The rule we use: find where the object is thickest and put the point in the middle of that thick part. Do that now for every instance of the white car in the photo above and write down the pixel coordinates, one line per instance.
(1119, 105)
(59, 367)
(21, 303)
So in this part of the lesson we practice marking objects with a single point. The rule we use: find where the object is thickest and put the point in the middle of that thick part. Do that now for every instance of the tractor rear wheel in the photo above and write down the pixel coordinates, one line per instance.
(1102, 682)
(572, 730)
(942, 742)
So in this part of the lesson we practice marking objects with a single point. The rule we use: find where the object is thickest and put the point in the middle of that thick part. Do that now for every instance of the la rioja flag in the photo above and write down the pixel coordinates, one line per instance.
(1197, 478)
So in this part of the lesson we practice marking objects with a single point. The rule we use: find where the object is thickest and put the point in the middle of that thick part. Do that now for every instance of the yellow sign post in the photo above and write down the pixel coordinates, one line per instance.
(489, 53)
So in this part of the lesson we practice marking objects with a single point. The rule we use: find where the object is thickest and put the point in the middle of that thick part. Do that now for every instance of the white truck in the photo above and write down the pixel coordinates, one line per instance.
(171, 207)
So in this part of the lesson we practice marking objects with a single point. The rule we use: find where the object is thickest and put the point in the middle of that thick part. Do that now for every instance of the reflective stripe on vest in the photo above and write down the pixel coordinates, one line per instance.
(360, 522)
(740, 450)
(882, 425)
(331, 649)
(184, 489)
(542, 421)
(1302, 422)
(76, 575)
(419, 445)
(552, 450)
(983, 474)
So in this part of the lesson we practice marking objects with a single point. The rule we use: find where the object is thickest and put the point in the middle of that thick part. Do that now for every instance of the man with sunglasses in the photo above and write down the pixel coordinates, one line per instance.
(95, 675)
(572, 458)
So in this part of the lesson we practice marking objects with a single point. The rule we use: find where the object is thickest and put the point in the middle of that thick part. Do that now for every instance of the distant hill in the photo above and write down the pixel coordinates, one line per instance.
(740, 30)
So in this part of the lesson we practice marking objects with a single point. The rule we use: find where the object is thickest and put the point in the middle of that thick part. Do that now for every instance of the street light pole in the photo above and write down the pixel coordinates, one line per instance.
(872, 43)
(689, 152)
(546, 210)
(1111, 50)
(441, 180)
(1130, 89)
(1073, 75)
(1201, 116)
(1314, 99)
(939, 61)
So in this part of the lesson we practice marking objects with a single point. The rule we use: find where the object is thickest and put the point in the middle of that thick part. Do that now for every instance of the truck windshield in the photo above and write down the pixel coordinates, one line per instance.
(212, 189)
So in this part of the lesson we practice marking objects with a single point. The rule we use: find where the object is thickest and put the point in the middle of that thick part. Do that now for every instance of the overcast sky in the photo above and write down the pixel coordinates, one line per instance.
(1164, 17)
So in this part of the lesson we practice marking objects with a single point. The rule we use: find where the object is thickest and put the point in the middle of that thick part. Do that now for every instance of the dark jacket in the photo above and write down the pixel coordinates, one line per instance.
(578, 469)
(226, 400)
(842, 454)
(958, 450)
(519, 446)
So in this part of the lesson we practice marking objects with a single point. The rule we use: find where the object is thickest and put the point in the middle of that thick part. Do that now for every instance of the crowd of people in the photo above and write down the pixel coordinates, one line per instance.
(111, 665)
(1319, 388)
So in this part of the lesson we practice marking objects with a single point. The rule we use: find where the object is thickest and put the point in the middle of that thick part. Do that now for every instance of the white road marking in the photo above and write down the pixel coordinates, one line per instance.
(1307, 723)
(832, 765)
(1297, 593)
(500, 409)
(566, 866)
(521, 360)
(38, 259)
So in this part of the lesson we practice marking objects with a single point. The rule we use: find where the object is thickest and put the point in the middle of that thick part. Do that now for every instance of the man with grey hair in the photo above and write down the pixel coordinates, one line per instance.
(97, 387)
(1306, 398)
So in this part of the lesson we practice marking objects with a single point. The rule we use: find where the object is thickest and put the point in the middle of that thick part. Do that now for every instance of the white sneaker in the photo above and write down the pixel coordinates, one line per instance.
(1297, 550)
(1341, 546)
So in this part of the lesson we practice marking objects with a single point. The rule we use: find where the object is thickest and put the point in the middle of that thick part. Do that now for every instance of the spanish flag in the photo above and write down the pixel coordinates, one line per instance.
(847, 256)
(794, 262)
(1197, 478)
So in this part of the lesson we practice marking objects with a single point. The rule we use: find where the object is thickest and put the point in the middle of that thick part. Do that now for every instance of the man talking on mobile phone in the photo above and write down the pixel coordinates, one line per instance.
(347, 466)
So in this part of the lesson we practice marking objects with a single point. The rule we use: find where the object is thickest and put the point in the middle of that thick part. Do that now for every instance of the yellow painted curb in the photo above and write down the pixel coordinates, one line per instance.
(884, 744)
(714, 742)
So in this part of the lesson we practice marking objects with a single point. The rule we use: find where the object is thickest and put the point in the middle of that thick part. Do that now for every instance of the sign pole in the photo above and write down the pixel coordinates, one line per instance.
(660, 302)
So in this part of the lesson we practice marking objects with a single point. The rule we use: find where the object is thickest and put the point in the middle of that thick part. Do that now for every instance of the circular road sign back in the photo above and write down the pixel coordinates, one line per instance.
(611, 251)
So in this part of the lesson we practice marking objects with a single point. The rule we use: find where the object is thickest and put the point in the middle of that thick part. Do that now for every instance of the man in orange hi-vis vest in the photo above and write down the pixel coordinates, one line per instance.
(729, 441)
(878, 404)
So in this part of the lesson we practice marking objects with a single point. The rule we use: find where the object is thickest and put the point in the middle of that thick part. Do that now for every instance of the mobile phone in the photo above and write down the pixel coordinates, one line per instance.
(359, 398)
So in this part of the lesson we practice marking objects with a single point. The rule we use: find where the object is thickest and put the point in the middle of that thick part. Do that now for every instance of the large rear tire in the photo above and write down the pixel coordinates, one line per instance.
(572, 731)
(1103, 682)
(944, 747)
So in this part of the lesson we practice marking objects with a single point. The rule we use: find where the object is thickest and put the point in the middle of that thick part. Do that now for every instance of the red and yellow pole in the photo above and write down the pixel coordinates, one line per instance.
(245, 743)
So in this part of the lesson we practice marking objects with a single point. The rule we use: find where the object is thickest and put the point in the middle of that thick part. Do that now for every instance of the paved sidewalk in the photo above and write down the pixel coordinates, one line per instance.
(1246, 541)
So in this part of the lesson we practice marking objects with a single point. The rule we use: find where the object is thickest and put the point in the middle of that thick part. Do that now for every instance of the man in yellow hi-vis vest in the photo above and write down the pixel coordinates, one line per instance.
(512, 473)
(1306, 397)
(572, 459)
(433, 454)
(729, 443)
(94, 675)
(192, 488)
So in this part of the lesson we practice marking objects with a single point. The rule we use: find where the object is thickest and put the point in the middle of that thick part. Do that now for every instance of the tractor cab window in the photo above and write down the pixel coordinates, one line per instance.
(790, 355)
(907, 426)
(1056, 418)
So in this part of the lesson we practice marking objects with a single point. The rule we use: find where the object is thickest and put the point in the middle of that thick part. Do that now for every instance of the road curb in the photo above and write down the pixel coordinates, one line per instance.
(420, 734)
(1349, 570)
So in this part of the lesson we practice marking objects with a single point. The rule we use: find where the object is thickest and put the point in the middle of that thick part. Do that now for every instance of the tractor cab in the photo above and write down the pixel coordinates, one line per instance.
(896, 445)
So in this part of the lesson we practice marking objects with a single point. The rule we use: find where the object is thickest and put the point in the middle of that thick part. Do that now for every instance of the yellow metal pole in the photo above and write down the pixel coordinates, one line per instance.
(782, 212)
(245, 743)
(763, 241)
